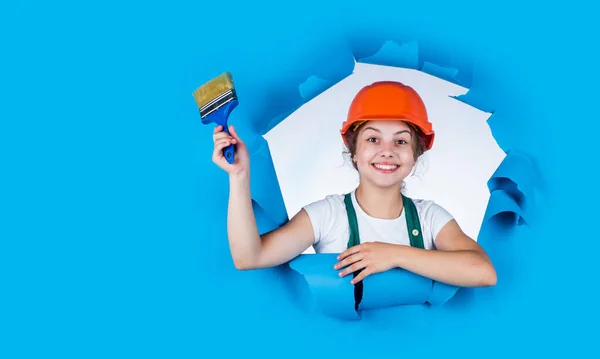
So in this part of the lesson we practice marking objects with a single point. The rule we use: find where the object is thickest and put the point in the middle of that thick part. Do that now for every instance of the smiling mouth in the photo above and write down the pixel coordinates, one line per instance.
(385, 168)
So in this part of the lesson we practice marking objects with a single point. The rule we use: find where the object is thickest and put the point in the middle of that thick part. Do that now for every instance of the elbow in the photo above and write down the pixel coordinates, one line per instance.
(488, 278)
(486, 273)
(243, 264)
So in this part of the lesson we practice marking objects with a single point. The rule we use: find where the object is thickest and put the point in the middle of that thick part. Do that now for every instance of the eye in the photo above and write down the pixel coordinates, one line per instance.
(402, 142)
(371, 139)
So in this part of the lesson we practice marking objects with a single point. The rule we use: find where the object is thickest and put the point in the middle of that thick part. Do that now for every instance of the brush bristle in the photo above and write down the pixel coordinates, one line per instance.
(213, 89)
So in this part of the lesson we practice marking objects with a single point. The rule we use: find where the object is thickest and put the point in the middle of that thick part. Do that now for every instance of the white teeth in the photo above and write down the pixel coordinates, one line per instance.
(386, 167)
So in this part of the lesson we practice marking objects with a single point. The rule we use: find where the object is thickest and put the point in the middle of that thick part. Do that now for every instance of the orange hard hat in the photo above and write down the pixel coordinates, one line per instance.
(389, 100)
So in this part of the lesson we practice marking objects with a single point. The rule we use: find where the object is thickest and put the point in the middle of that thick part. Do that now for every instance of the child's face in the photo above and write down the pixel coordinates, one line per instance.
(384, 152)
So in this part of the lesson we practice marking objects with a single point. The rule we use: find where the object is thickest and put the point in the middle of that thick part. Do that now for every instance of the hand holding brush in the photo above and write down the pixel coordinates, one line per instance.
(223, 140)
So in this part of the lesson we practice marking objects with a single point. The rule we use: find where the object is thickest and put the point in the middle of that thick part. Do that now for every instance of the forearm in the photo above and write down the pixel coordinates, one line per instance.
(244, 239)
(463, 268)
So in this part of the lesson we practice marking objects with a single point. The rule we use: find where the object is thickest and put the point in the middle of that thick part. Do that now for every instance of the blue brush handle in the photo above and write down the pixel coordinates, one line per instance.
(229, 151)
(220, 117)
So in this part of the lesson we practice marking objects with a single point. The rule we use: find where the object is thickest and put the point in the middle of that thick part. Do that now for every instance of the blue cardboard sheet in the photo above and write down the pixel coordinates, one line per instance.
(113, 234)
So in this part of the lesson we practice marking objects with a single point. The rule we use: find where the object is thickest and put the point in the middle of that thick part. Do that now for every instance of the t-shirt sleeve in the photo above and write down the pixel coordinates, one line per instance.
(321, 214)
(436, 217)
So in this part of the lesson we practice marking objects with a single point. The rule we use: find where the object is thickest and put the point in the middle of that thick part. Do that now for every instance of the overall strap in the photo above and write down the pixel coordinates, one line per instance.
(412, 223)
(354, 241)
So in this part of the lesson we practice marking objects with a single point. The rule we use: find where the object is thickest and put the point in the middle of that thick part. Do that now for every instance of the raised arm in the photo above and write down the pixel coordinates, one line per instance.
(248, 249)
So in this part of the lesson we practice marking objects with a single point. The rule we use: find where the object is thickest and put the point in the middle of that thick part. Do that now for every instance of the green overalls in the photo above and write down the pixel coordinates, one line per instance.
(414, 233)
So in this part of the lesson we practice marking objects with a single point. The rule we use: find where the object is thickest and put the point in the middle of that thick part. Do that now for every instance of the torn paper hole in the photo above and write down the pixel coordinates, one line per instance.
(307, 149)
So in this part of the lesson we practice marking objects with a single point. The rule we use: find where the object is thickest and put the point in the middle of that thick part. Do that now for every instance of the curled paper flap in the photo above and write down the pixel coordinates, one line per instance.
(517, 176)
(512, 191)
(334, 295)
(503, 211)
(394, 287)
(441, 293)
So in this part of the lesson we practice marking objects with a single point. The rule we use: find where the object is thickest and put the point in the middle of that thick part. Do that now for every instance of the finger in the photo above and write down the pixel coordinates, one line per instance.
(349, 251)
(219, 132)
(234, 134)
(349, 260)
(220, 135)
(362, 275)
(218, 129)
(223, 137)
(353, 268)
(223, 142)
(219, 146)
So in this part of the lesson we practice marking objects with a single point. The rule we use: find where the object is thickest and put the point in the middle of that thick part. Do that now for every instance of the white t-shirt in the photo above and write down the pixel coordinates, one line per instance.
(332, 230)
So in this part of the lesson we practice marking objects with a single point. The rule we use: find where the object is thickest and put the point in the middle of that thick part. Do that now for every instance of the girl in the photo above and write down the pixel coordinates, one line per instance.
(386, 131)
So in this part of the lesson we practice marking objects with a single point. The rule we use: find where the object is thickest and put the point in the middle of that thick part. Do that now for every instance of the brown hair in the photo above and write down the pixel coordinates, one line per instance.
(417, 146)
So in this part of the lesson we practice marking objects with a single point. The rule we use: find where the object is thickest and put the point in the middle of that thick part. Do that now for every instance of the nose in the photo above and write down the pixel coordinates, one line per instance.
(386, 150)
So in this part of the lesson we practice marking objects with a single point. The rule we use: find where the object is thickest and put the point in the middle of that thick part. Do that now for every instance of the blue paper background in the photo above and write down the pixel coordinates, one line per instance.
(112, 230)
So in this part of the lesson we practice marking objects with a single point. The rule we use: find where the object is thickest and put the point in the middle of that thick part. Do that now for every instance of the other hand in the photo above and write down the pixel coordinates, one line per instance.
(241, 162)
(371, 257)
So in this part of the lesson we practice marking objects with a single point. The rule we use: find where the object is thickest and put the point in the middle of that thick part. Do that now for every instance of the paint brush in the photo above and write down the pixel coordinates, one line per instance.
(216, 99)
